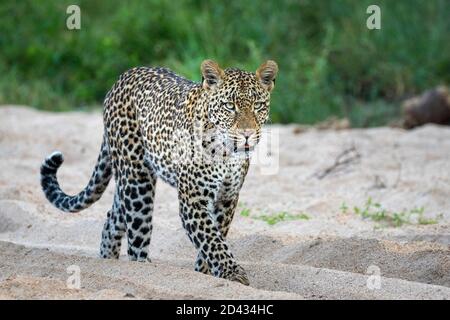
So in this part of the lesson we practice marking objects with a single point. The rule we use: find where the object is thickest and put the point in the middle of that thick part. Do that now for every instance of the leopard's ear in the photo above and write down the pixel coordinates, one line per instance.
(212, 74)
(266, 74)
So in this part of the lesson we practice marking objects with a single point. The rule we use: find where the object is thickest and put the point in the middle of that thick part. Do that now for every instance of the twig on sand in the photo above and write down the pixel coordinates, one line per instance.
(346, 157)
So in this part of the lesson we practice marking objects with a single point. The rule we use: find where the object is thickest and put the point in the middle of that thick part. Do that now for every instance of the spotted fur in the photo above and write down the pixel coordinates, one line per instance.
(197, 137)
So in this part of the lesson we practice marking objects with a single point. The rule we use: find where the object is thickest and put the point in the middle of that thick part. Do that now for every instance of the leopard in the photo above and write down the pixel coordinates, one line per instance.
(198, 137)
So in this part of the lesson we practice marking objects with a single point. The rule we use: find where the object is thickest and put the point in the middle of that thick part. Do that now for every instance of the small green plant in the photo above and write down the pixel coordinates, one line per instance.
(245, 212)
(272, 219)
(376, 212)
(344, 207)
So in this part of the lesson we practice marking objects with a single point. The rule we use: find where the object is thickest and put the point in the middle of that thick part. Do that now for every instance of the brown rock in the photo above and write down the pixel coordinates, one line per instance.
(433, 106)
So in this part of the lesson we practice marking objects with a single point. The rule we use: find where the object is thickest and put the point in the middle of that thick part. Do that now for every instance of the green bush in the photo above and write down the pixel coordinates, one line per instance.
(330, 63)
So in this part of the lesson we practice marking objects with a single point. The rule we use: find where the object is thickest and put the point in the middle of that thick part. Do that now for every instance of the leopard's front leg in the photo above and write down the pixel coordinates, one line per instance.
(222, 215)
(225, 205)
(197, 198)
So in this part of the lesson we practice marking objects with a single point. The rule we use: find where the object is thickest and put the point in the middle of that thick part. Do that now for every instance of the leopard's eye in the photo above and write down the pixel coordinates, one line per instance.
(259, 106)
(229, 106)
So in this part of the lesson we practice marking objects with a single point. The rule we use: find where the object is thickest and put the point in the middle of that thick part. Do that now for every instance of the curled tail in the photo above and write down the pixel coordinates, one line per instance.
(91, 193)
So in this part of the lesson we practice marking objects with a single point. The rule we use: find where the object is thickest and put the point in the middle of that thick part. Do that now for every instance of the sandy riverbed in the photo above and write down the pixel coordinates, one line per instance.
(327, 256)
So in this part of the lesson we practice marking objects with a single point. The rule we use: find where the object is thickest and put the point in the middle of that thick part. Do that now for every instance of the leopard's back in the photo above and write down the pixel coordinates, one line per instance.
(146, 104)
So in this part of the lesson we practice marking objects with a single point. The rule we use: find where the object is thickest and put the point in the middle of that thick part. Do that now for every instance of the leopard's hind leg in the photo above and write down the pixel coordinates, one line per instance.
(113, 231)
(137, 189)
(131, 214)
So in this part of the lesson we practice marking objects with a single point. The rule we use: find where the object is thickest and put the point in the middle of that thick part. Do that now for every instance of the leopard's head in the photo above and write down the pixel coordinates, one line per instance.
(238, 101)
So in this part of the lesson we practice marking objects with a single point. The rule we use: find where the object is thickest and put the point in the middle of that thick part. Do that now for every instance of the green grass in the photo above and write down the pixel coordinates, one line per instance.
(330, 63)
(272, 219)
(245, 212)
(376, 212)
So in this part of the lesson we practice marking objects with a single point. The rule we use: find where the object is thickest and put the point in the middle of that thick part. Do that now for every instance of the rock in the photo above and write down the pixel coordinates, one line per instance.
(433, 106)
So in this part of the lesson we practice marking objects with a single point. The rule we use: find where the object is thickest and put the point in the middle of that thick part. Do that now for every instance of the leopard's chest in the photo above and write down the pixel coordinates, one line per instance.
(162, 167)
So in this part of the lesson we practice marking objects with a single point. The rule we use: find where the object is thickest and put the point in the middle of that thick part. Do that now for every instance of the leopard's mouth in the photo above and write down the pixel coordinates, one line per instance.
(244, 148)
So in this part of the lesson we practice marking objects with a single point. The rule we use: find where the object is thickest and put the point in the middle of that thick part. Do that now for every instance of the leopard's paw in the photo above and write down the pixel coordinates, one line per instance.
(238, 274)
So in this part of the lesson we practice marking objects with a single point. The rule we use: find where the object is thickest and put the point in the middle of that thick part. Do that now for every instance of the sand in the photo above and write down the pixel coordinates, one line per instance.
(331, 255)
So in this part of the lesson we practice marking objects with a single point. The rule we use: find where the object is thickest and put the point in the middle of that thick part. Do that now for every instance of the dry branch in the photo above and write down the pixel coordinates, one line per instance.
(346, 157)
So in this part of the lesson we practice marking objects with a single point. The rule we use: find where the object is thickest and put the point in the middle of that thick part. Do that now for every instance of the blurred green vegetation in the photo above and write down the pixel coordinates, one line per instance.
(330, 63)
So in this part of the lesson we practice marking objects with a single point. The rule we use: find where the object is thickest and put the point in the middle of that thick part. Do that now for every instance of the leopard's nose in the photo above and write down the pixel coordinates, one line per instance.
(247, 133)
